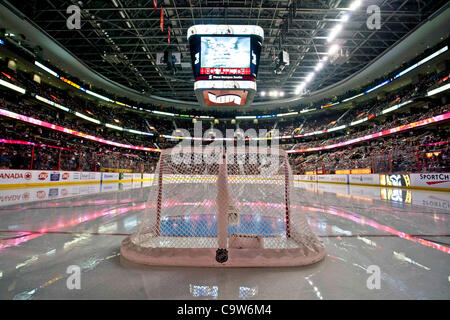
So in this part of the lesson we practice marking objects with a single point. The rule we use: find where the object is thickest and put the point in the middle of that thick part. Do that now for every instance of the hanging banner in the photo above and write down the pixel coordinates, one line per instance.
(161, 19)
(155, 4)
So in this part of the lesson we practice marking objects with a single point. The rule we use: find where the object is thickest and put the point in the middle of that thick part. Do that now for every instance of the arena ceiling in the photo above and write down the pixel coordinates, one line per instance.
(120, 38)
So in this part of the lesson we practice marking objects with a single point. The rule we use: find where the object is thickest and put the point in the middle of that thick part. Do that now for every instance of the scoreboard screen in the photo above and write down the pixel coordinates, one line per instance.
(225, 60)
(225, 53)
(225, 57)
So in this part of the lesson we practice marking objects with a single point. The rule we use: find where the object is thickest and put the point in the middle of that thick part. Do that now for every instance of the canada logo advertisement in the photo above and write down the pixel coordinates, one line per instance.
(15, 175)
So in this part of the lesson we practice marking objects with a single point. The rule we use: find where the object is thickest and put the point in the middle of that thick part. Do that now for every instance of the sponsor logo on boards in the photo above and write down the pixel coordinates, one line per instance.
(15, 197)
(15, 175)
(41, 194)
(43, 176)
(433, 179)
(53, 192)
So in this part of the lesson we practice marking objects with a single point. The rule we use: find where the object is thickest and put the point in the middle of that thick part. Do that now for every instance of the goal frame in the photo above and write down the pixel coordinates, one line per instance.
(223, 255)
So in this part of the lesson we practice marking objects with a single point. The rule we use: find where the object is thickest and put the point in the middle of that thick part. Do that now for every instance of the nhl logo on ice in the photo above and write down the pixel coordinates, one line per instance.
(222, 255)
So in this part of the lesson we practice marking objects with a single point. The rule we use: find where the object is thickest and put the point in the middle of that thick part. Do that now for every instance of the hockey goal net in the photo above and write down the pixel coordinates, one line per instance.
(223, 207)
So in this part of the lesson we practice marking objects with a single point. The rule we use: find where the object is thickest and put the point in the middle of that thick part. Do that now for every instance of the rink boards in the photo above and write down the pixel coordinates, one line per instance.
(29, 178)
(424, 181)
(439, 200)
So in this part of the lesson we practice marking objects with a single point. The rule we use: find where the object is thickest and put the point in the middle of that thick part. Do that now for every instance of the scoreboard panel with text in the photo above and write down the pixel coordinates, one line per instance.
(225, 60)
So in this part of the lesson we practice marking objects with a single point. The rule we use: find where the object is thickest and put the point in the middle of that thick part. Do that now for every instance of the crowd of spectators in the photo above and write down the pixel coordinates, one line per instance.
(69, 152)
(82, 103)
(386, 123)
(76, 153)
(414, 151)
(359, 111)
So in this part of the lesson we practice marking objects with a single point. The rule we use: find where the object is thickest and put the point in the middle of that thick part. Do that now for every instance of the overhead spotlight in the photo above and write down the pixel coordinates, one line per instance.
(333, 49)
(334, 32)
(309, 77)
(338, 55)
(319, 66)
(281, 94)
(263, 93)
(345, 17)
(300, 88)
(355, 5)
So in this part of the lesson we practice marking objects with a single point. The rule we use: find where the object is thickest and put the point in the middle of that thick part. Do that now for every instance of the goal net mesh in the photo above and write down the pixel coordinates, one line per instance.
(223, 207)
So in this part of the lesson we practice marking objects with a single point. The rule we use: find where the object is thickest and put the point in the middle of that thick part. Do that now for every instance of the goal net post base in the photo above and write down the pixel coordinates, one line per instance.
(233, 208)
(206, 257)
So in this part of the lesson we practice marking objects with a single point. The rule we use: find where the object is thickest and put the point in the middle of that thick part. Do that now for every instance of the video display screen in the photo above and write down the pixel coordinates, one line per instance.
(225, 52)
(218, 57)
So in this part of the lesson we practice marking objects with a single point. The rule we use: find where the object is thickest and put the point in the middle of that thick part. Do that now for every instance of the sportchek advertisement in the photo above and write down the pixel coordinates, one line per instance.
(431, 180)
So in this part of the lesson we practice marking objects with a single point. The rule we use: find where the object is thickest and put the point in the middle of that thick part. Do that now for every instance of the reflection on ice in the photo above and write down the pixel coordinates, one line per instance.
(45, 230)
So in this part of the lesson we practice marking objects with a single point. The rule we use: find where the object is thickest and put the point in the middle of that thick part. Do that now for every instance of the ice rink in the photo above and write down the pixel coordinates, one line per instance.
(405, 233)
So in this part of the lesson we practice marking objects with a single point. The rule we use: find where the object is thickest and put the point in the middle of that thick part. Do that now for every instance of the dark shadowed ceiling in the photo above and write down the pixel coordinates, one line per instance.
(120, 38)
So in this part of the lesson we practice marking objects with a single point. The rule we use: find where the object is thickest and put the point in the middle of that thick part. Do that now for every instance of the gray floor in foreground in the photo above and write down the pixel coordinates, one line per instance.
(404, 233)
